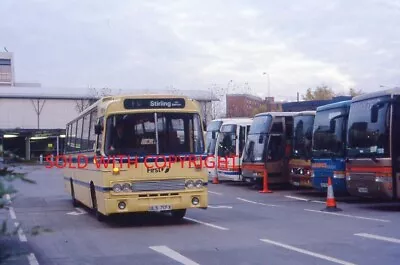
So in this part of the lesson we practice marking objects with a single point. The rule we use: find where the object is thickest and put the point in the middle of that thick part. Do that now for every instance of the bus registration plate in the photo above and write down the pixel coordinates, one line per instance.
(160, 208)
(363, 190)
(296, 183)
(324, 185)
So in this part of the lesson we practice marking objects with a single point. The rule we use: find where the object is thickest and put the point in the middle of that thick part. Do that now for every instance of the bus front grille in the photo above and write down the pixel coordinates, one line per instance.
(159, 185)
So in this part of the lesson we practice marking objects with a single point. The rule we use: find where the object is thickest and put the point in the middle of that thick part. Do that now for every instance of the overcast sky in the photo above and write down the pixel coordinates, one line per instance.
(194, 44)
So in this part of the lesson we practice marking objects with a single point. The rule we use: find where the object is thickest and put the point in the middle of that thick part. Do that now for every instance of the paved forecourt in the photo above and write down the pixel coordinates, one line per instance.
(241, 226)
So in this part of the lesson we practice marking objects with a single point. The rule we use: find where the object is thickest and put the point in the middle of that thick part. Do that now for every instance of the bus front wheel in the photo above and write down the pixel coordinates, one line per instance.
(99, 216)
(178, 214)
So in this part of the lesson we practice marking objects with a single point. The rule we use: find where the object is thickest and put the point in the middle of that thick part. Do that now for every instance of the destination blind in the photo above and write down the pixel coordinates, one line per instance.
(166, 103)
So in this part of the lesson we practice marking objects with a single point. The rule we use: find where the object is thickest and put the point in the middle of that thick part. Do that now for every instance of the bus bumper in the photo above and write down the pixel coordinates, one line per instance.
(369, 186)
(229, 175)
(154, 202)
(300, 181)
(321, 184)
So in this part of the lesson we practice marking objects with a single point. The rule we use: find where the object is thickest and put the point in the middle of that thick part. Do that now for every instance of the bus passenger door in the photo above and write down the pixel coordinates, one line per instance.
(275, 158)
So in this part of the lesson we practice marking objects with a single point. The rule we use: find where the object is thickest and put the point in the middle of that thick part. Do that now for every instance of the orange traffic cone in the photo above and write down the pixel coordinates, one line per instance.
(215, 179)
(330, 200)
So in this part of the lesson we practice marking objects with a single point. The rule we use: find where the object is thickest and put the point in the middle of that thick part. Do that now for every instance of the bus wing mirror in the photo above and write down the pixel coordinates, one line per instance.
(98, 129)
(374, 113)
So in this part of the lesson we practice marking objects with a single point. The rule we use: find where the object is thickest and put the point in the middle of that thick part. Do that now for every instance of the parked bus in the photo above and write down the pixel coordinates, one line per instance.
(142, 132)
(230, 143)
(300, 162)
(211, 141)
(268, 146)
(373, 145)
(329, 146)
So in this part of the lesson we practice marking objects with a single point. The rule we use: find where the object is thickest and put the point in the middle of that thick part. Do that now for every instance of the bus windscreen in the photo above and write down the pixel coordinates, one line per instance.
(367, 138)
(135, 134)
(327, 142)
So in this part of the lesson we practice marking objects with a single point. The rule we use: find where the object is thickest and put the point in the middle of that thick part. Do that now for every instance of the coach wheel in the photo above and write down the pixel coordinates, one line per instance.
(178, 214)
(99, 216)
(74, 201)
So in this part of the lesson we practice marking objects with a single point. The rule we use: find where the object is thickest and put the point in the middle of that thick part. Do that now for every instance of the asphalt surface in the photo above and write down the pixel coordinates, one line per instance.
(241, 226)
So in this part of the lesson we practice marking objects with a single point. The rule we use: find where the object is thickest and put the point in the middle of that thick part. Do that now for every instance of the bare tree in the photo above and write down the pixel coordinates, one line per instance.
(92, 95)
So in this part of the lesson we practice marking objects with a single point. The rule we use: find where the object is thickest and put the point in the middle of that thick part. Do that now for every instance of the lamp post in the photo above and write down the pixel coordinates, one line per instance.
(269, 88)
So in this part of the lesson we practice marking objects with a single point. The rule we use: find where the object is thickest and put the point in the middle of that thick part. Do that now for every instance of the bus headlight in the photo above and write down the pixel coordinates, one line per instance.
(127, 187)
(198, 183)
(117, 188)
(301, 171)
(383, 179)
(190, 184)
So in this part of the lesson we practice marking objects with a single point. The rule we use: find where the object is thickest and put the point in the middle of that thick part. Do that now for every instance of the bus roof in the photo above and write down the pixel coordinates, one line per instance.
(345, 103)
(231, 119)
(306, 112)
(276, 114)
(386, 92)
(106, 102)
(238, 122)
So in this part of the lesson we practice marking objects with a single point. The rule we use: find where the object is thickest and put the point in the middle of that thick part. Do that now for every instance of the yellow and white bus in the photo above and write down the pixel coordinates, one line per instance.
(137, 154)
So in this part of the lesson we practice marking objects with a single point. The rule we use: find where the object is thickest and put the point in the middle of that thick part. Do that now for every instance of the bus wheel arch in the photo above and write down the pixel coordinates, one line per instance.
(99, 216)
(74, 201)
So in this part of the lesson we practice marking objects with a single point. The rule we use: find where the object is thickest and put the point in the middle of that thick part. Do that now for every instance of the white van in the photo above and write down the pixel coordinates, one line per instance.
(229, 147)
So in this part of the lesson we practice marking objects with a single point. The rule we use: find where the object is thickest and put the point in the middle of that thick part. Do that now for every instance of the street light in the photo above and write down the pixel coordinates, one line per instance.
(269, 92)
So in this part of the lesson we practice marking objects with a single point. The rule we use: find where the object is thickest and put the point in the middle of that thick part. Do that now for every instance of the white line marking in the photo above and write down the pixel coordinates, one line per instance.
(216, 193)
(389, 239)
(12, 213)
(297, 198)
(173, 255)
(260, 203)
(81, 211)
(303, 199)
(220, 206)
(32, 259)
(207, 224)
(319, 202)
(303, 251)
(21, 234)
(78, 211)
(352, 216)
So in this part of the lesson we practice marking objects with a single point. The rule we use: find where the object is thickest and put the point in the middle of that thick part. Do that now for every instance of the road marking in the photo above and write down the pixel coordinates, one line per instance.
(173, 255)
(207, 224)
(32, 259)
(351, 216)
(21, 234)
(319, 202)
(303, 199)
(297, 198)
(77, 212)
(216, 193)
(303, 251)
(220, 207)
(12, 213)
(260, 203)
(389, 239)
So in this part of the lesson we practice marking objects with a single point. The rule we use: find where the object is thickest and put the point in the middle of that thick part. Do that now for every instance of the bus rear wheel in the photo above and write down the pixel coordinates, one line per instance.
(178, 214)
(99, 216)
